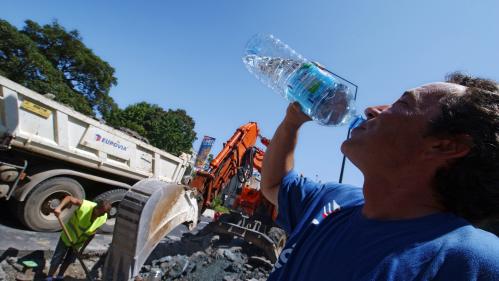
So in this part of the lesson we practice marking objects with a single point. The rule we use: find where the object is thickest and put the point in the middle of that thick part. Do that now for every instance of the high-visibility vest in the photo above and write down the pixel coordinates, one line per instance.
(80, 226)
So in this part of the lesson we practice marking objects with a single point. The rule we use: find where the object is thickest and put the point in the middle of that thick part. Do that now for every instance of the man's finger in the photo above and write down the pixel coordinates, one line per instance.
(296, 106)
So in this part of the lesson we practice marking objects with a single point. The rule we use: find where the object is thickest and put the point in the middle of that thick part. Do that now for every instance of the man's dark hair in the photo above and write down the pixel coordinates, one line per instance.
(469, 186)
(103, 204)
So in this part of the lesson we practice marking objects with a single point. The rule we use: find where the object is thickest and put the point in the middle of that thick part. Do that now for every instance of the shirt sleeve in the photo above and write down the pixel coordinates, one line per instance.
(296, 193)
(475, 258)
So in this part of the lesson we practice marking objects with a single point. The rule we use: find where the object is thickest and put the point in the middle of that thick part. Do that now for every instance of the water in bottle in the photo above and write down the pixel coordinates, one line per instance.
(325, 97)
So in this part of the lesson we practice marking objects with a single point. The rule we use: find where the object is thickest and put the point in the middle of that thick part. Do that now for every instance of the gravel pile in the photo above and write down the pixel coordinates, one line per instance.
(205, 256)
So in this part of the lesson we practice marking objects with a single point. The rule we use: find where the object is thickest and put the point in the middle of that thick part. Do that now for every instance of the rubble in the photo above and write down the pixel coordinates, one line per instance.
(200, 256)
(204, 257)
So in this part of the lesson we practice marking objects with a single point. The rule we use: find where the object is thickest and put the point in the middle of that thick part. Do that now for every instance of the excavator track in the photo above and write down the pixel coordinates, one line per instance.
(148, 212)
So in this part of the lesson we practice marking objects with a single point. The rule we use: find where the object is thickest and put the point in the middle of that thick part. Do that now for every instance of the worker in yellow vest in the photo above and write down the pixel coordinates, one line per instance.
(81, 228)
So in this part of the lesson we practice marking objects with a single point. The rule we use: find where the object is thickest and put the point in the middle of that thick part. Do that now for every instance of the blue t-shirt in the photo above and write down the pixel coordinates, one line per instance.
(330, 239)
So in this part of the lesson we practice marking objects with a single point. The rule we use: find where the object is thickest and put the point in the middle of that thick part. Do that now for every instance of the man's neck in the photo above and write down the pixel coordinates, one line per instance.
(398, 199)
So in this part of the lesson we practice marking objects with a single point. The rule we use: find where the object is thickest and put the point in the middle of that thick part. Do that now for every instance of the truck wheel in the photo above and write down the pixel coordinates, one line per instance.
(114, 196)
(36, 212)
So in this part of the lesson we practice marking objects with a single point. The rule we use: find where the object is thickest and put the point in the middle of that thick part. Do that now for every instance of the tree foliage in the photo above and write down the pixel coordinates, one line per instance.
(22, 61)
(49, 59)
(84, 72)
(171, 130)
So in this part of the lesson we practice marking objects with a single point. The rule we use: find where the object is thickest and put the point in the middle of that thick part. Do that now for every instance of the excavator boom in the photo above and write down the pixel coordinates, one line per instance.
(224, 166)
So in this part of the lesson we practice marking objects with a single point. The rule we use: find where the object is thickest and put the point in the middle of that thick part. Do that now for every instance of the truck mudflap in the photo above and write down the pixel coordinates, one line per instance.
(148, 212)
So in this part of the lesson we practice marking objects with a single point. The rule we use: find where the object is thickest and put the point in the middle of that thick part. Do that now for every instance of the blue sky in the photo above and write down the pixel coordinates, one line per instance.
(187, 54)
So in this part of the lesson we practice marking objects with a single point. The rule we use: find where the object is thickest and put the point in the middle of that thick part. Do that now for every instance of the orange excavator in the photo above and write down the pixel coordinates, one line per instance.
(237, 157)
(250, 215)
(152, 208)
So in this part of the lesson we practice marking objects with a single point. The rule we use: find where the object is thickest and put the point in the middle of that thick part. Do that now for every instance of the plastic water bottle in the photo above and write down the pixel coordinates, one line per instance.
(325, 97)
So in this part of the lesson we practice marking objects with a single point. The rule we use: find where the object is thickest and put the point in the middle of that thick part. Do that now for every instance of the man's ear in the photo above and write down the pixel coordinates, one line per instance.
(448, 147)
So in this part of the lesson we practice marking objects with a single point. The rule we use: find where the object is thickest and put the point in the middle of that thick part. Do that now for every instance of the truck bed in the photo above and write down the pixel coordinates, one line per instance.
(42, 126)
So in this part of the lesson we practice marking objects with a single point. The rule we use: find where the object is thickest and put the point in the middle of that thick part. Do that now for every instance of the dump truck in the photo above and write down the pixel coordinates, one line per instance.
(48, 151)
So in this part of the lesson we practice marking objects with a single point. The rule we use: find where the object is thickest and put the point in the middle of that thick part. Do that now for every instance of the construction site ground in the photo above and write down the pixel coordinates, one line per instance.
(181, 255)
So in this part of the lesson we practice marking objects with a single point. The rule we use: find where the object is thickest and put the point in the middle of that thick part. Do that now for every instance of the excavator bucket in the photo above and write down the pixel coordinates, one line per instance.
(149, 211)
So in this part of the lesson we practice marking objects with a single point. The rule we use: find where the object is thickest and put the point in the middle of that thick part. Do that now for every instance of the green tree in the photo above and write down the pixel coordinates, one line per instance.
(84, 72)
(22, 61)
(171, 130)
(49, 59)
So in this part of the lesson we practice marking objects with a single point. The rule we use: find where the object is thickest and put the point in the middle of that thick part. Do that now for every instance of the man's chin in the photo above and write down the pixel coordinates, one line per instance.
(350, 149)
(347, 146)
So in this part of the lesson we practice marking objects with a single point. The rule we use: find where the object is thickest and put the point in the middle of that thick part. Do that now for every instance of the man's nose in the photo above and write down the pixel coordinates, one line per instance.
(374, 111)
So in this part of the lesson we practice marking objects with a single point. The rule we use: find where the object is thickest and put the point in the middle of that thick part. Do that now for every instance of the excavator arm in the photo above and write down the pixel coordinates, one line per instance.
(250, 215)
(228, 163)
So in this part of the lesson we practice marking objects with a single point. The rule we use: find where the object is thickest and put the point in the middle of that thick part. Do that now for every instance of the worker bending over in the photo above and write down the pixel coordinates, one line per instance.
(81, 228)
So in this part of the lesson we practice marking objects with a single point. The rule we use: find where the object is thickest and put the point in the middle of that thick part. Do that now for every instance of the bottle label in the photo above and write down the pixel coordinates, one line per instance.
(308, 84)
